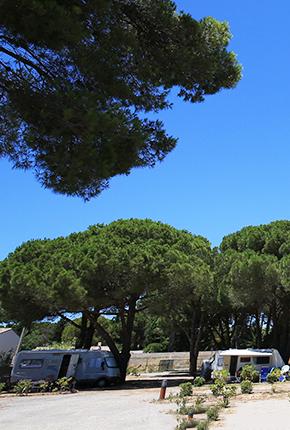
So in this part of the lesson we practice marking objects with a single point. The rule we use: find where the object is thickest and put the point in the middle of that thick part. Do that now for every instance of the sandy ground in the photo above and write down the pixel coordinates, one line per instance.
(267, 414)
(107, 410)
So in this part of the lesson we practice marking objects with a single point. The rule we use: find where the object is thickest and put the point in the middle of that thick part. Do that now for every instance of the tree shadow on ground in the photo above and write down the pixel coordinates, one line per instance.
(174, 379)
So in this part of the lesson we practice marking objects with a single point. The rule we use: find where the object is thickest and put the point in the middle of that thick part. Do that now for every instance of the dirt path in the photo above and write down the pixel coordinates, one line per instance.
(268, 414)
(106, 410)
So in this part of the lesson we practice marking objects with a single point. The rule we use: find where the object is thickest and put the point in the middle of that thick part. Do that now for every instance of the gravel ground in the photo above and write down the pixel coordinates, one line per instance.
(106, 410)
(268, 414)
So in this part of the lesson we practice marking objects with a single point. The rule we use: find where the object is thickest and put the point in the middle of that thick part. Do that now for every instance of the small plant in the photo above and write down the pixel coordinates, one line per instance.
(273, 376)
(185, 389)
(2, 386)
(134, 371)
(213, 413)
(246, 387)
(182, 408)
(249, 373)
(199, 381)
(202, 425)
(221, 375)
(46, 386)
(217, 387)
(186, 424)
(64, 384)
(23, 387)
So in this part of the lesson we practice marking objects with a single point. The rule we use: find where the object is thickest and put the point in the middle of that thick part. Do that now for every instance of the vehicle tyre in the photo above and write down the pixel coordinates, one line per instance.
(101, 383)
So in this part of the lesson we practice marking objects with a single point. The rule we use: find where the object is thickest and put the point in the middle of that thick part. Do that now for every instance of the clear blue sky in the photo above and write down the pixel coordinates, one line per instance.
(231, 167)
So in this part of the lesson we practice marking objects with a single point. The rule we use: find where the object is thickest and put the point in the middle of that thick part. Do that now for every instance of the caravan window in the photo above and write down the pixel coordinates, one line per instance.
(111, 362)
(31, 364)
(245, 359)
(263, 360)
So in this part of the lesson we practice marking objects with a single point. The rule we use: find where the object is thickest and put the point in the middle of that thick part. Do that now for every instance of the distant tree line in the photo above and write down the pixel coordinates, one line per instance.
(136, 284)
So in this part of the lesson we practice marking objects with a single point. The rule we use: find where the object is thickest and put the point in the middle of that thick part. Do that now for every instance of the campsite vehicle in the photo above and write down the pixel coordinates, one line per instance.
(233, 360)
(84, 366)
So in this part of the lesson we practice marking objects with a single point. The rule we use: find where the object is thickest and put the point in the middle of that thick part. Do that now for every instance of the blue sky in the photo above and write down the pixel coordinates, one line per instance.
(230, 167)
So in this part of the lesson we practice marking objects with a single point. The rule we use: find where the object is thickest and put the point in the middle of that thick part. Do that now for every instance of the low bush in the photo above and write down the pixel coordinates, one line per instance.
(187, 424)
(274, 376)
(2, 386)
(23, 387)
(249, 373)
(185, 389)
(246, 387)
(46, 386)
(199, 407)
(213, 413)
(221, 375)
(156, 347)
(199, 381)
(202, 425)
(64, 384)
(218, 387)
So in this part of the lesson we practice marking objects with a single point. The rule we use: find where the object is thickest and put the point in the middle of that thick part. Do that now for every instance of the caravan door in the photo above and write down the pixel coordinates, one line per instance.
(71, 370)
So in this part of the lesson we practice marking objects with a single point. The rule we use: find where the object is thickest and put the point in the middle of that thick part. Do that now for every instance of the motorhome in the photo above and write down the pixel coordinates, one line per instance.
(233, 360)
(97, 367)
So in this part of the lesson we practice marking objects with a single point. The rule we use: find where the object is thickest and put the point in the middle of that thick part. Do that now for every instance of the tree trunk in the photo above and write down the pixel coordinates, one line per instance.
(195, 335)
(88, 340)
(83, 328)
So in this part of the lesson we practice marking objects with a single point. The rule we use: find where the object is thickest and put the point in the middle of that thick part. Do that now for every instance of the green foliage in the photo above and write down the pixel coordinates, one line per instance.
(213, 413)
(2, 386)
(46, 386)
(64, 384)
(74, 111)
(246, 386)
(198, 381)
(249, 373)
(185, 389)
(202, 425)
(156, 347)
(23, 387)
(186, 424)
(221, 375)
(273, 376)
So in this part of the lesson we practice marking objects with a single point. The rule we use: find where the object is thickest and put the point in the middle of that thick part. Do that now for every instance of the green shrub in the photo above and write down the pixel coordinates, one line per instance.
(199, 381)
(185, 389)
(187, 424)
(199, 407)
(246, 387)
(202, 425)
(23, 387)
(213, 413)
(64, 384)
(274, 376)
(46, 386)
(249, 373)
(221, 375)
(2, 386)
(182, 408)
(156, 347)
(217, 387)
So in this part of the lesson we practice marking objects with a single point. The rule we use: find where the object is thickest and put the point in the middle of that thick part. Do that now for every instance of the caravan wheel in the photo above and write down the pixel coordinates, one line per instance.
(101, 383)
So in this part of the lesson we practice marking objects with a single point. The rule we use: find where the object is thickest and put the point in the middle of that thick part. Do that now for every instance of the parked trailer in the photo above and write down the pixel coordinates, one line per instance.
(233, 360)
(97, 367)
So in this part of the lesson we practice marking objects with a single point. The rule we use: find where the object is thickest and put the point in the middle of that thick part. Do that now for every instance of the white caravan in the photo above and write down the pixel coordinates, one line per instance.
(233, 360)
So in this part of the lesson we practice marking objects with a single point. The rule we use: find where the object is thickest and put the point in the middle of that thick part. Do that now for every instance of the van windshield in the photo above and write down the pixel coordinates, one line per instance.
(111, 362)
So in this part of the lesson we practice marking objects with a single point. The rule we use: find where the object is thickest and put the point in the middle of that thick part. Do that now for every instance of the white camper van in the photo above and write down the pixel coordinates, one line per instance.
(97, 367)
(233, 360)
